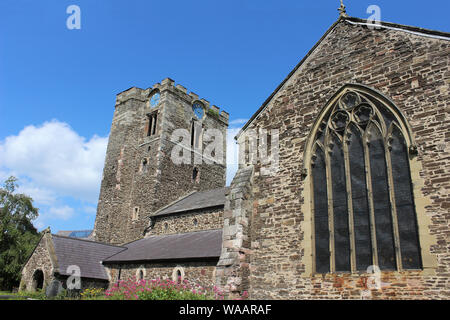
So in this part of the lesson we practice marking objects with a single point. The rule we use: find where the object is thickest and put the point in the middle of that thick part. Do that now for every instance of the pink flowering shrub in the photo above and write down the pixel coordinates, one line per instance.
(161, 289)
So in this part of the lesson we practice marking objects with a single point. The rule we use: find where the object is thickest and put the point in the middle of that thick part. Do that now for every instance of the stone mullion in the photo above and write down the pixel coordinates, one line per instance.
(328, 151)
(313, 210)
(348, 181)
(393, 205)
(373, 233)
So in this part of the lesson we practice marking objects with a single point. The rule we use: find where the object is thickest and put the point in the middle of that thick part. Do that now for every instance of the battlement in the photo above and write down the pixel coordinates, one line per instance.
(168, 84)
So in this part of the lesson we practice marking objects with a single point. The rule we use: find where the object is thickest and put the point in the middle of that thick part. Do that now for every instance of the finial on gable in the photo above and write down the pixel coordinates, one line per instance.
(342, 12)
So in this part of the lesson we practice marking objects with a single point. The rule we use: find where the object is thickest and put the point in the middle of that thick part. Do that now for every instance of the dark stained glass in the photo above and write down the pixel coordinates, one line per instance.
(321, 231)
(407, 220)
(361, 217)
(340, 207)
(381, 203)
(367, 160)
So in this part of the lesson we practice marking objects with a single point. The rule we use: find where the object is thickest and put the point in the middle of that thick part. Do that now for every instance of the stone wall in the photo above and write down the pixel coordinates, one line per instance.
(233, 268)
(41, 259)
(206, 219)
(411, 70)
(201, 273)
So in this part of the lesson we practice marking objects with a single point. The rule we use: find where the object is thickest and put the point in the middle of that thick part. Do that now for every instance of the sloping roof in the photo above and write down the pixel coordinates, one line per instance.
(85, 254)
(354, 21)
(195, 201)
(194, 245)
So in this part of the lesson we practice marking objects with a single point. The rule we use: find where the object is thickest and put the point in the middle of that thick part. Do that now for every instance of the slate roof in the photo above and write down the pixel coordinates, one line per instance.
(198, 245)
(88, 255)
(195, 201)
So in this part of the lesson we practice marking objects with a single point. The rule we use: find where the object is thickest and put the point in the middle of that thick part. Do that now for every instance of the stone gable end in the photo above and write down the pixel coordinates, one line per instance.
(413, 72)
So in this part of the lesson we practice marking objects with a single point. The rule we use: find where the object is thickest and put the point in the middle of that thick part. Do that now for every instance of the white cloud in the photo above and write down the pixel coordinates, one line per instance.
(238, 122)
(63, 213)
(53, 163)
(90, 210)
(39, 195)
(56, 160)
(59, 169)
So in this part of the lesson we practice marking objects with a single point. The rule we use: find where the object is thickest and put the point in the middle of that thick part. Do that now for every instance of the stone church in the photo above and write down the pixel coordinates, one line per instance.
(349, 199)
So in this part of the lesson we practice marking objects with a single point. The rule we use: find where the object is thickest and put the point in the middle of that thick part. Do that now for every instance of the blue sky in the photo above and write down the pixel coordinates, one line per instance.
(57, 86)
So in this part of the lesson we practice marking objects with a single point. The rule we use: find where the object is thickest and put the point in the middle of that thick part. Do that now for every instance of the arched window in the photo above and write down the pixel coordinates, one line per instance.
(141, 273)
(362, 198)
(178, 274)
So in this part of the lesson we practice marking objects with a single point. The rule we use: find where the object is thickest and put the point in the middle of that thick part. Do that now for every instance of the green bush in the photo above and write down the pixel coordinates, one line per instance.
(38, 295)
(160, 290)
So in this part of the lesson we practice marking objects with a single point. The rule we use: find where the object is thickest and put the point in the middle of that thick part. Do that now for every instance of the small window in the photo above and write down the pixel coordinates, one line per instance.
(195, 175)
(166, 226)
(199, 112)
(197, 129)
(152, 123)
(141, 273)
(135, 214)
(144, 167)
(195, 222)
(178, 274)
(154, 100)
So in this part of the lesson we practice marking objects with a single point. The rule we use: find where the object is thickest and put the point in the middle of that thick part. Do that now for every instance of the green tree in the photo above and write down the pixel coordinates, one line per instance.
(18, 236)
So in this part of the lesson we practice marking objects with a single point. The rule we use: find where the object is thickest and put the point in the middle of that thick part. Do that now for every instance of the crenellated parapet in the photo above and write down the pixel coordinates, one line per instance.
(168, 85)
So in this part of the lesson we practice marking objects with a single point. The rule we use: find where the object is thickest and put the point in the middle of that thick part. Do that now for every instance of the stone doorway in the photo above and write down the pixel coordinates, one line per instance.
(38, 280)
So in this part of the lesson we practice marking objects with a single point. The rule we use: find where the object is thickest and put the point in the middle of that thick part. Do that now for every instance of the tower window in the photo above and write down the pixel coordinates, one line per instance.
(152, 123)
(195, 175)
(154, 100)
(144, 167)
(199, 112)
(196, 134)
(363, 206)
(135, 213)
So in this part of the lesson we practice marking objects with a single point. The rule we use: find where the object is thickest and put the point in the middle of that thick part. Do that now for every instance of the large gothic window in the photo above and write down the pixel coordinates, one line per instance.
(362, 198)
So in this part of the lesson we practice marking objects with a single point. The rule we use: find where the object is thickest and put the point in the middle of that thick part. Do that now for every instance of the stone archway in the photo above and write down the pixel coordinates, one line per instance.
(38, 280)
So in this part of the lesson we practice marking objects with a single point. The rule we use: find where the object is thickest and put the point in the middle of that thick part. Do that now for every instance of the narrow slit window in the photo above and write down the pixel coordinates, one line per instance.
(152, 123)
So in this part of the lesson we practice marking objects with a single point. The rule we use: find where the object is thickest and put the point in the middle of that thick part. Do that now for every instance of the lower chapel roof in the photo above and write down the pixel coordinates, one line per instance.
(200, 245)
(85, 254)
(90, 256)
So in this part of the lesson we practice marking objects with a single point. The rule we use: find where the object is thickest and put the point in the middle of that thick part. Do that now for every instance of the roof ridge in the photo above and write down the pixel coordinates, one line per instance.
(173, 202)
(161, 212)
(177, 234)
(423, 31)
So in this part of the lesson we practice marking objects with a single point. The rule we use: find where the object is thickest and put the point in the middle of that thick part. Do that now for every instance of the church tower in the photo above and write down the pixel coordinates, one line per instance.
(160, 148)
